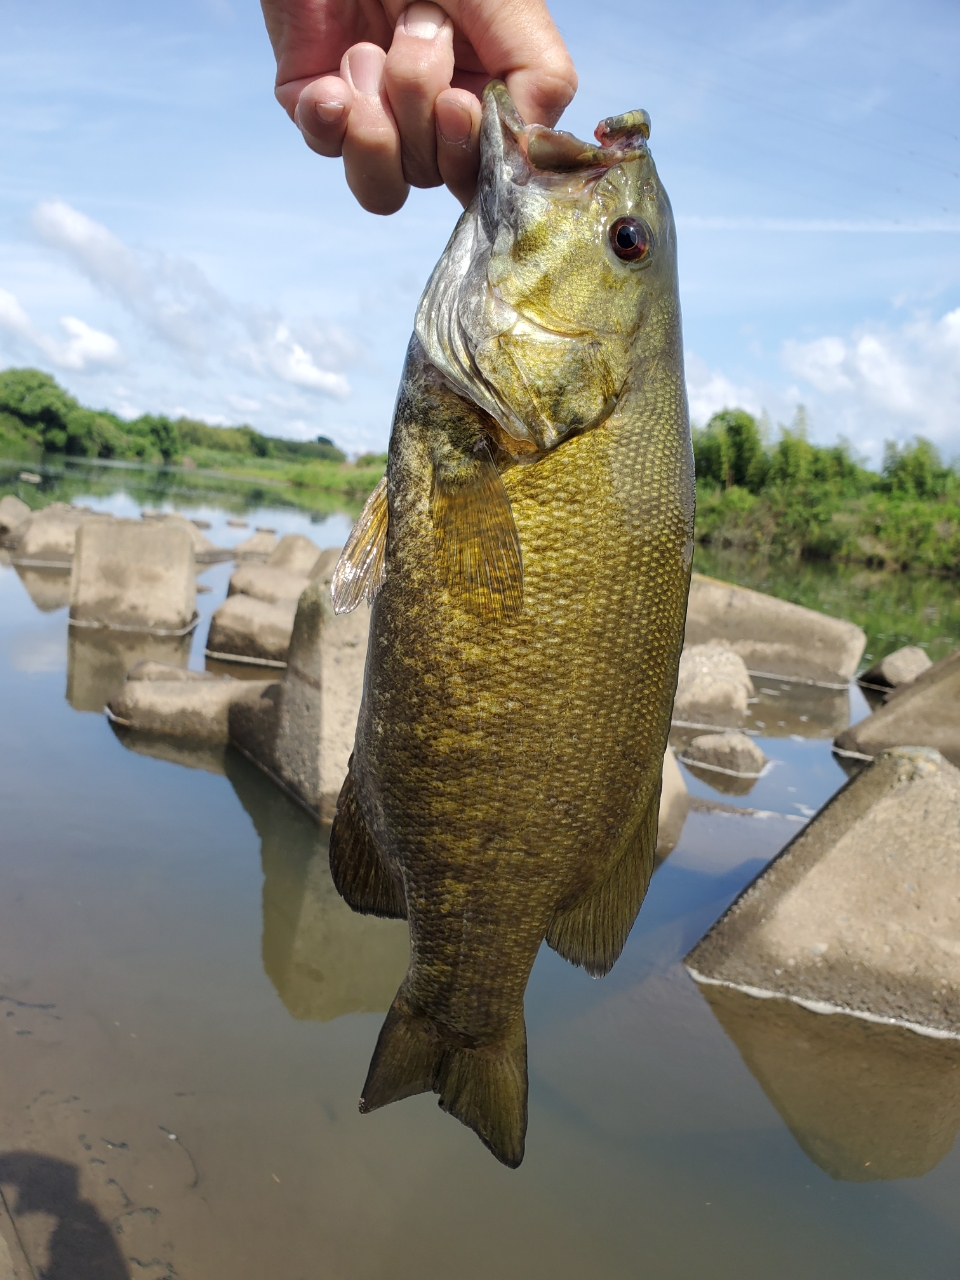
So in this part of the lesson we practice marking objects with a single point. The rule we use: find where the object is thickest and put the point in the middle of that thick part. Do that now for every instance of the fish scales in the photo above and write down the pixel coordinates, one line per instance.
(506, 774)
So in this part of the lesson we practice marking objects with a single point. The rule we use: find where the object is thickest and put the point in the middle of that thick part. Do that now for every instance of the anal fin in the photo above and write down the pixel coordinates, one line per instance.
(358, 871)
(477, 544)
(592, 932)
(361, 569)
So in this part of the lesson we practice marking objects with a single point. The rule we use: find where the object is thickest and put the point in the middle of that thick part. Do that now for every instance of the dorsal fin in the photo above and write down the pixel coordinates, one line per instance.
(361, 569)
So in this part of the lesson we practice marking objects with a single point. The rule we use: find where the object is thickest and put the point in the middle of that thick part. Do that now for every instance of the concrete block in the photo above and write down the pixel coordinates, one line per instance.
(324, 960)
(13, 516)
(925, 712)
(897, 668)
(257, 547)
(196, 709)
(861, 911)
(322, 571)
(98, 661)
(49, 536)
(252, 630)
(264, 582)
(866, 1102)
(204, 551)
(149, 670)
(49, 589)
(674, 804)
(304, 736)
(133, 575)
(773, 635)
(713, 687)
(730, 752)
(295, 554)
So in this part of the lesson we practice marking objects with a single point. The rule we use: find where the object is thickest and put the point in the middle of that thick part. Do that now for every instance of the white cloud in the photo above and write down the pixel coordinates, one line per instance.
(84, 346)
(709, 391)
(176, 302)
(877, 382)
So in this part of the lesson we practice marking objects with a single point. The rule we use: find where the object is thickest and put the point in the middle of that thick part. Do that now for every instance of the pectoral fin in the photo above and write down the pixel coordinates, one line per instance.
(477, 544)
(592, 931)
(361, 569)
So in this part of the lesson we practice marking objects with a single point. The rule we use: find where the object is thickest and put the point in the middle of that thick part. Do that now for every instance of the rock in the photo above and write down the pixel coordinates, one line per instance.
(204, 551)
(133, 575)
(897, 668)
(302, 735)
(324, 960)
(264, 582)
(712, 688)
(195, 709)
(322, 571)
(250, 630)
(925, 712)
(13, 516)
(866, 1102)
(772, 635)
(258, 547)
(860, 913)
(674, 803)
(48, 538)
(731, 752)
(295, 554)
(98, 661)
(49, 589)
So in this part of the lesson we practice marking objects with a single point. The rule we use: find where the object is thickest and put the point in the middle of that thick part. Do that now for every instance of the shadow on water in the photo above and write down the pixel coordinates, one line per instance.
(866, 1102)
(81, 1245)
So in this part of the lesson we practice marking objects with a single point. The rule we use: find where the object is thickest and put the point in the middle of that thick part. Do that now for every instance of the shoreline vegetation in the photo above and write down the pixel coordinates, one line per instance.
(775, 498)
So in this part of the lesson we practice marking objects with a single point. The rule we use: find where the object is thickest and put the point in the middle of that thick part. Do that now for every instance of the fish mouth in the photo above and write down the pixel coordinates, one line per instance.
(547, 152)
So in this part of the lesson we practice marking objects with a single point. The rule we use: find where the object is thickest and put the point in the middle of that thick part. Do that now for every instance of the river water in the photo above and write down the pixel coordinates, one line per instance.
(187, 1012)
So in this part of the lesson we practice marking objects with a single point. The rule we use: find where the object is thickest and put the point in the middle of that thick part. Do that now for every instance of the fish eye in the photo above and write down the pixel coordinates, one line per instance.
(630, 239)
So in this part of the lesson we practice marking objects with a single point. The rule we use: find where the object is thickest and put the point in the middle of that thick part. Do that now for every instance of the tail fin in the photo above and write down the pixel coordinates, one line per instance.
(485, 1088)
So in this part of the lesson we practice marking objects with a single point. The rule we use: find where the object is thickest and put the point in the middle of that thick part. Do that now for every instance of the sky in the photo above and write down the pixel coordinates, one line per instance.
(169, 245)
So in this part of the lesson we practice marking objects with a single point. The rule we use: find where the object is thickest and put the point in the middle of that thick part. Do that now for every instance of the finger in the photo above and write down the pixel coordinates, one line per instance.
(518, 41)
(371, 143)
(321, 114)
(419, 65)
(458, 141)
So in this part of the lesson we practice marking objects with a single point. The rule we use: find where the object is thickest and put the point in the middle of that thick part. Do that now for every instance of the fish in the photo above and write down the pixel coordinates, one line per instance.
(527, 561)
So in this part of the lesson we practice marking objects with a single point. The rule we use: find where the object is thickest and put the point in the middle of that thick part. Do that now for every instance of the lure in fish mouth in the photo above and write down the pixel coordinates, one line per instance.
(531, 315)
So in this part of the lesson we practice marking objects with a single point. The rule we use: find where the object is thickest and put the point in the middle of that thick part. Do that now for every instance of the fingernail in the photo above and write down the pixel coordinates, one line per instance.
(329, 112)
(454, 123)
(365, 65)
(423, 20)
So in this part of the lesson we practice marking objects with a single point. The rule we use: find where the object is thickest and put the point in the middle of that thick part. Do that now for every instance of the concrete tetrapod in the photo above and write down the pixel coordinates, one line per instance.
(133, 576)
(713, 687)
(182, 704)
(924, 711)
(245, 629)
(860, 913)
(48, 538)
(897, 668)
(773, 636)
(294, 554)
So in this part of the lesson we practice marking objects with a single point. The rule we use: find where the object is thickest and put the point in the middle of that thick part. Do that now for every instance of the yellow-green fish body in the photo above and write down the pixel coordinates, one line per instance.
(505, 781)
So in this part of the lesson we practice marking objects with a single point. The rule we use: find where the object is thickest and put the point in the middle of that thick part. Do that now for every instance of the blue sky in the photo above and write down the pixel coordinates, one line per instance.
(168, 244)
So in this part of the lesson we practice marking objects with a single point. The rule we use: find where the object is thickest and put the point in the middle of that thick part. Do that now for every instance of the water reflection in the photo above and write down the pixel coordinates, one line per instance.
(49, 589)
(866, 1102)
(98, 661)
(202, 755)
(323, 959)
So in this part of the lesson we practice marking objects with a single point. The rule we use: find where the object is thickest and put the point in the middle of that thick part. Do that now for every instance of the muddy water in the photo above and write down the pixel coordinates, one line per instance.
(187, 1012)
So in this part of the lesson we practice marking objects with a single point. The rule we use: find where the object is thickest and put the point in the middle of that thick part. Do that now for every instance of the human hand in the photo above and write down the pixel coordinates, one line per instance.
(395, 90)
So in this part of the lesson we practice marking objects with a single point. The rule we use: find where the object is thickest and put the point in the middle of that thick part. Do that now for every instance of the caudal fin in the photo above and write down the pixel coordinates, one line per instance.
(485, 1088)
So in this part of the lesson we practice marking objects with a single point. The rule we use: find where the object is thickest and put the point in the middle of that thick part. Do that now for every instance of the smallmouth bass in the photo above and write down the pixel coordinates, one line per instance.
(528, 559)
